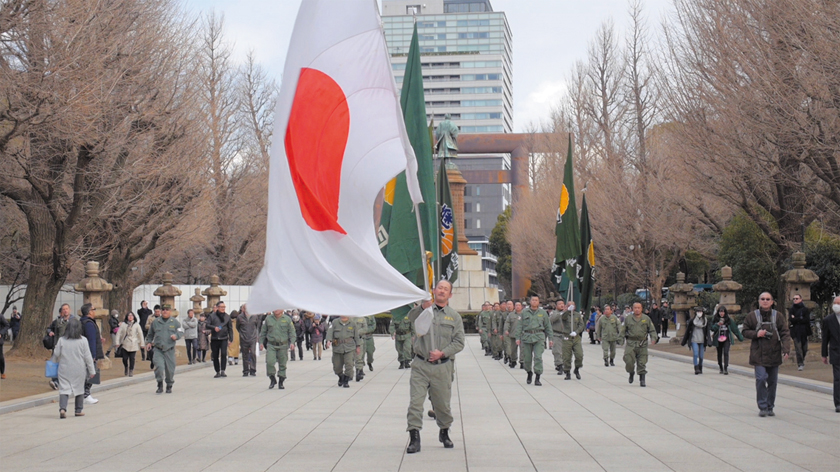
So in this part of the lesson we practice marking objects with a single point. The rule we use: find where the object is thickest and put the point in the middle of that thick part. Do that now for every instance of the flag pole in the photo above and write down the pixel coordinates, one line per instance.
(422, 247)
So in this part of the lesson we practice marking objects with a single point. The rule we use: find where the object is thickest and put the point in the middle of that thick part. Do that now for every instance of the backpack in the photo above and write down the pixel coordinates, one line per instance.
(49, 341)
(760, 321)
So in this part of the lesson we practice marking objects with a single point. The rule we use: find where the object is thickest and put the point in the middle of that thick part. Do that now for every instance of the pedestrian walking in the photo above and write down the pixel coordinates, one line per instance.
(830, 351)
(75, 367)
(150, 355)
(233, 341)
(113, 327)
(190, 325)
(800, 329)
(277, 336)
(203, 338)
(636, 331)
(402, 332)
(220, 333)
(511, 323)
(531, 333)
(572, 324)
(299, 335)
(143, 314)
(90, 330)
(56, 331)
(665, 317)
(496, 325)
(130, 338)
(4, 329)
(316, 335)
(14, 323)
(482, 323)
(697, 336)
(164, 332)
(769, 348)
(590, 326)
(343, 337)
(724, 331)
(656, 317)
(440, 336)
(370, 345)
(248, 326)
(608, 331)
(557, 335)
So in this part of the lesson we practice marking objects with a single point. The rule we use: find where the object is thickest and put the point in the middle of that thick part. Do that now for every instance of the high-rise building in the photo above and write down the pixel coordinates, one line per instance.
(466, 52)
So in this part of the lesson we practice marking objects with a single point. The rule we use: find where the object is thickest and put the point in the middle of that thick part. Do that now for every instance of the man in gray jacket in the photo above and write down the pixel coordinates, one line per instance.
(248, 326)
(190, 326)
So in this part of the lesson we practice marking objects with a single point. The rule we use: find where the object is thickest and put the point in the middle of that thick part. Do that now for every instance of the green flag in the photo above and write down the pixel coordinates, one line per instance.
(399, 239)
(448, 229)
(567, 231)
(586, 261)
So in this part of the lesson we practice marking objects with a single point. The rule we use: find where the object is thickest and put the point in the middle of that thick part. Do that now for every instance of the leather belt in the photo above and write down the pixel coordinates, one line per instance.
(439, 361)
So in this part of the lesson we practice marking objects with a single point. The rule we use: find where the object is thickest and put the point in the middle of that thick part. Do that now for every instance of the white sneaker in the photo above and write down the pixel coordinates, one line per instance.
(802, 367)
(90, 400)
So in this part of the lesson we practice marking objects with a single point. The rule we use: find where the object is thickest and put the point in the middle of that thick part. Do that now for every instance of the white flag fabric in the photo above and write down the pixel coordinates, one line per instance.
(339, 138)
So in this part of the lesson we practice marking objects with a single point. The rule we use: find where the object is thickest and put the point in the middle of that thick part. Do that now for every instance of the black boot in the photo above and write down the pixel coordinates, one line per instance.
(359, 375)
(630, 379)
(726, 370)
(340, 380)
(537, 381)
(521, 365)
(414, 442)
(701, 367)
(577, 373)
(169, 389)
(126, 371)
(696, 370)
(370, 366)
(280, 382)
(160, 388)
(273, 382)
(444, 438)
(642, 381)
(568, 376)
(606, 363)
(721, 368)
(347, 381)
(612, 363)
(402, 364)
(530, 376)
(512, 364)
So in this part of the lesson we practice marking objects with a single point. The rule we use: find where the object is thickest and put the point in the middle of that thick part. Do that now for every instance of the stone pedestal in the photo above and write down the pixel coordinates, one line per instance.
(214, 293)
(798, 282)
(728, 288)
(167, 293)
(93, 289)
(457, 183)
(196, 301)
(472, 288)
(684, 301)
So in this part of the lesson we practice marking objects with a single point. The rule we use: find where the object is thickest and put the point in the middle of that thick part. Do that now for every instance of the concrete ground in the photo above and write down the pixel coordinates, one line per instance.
(679, 422)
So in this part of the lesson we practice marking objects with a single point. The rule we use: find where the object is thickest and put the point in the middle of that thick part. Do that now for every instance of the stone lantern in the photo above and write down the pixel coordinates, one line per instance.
(196, 301)
(727, 288)
(684, 301)
(93, 289)
(798, 282)
(167, 293)
(214, 293)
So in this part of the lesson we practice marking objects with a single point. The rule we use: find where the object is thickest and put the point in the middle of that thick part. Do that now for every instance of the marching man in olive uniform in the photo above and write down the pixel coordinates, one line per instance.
(370, 345)
(343, 335)
(531, 332)
(636, 330)
(510, 338)
(483, 324)
(607, 331)
(361, 327)
(440, 335)
(496, 331)
(572, 325)
(276, 335)
(402, 332)
(163, 333)
(557, 349)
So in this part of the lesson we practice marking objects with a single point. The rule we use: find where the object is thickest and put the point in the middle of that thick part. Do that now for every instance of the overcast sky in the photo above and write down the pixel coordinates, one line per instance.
(548, 37)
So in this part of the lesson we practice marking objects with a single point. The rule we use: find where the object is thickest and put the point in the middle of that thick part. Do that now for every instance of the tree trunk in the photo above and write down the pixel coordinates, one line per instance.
(119, 275)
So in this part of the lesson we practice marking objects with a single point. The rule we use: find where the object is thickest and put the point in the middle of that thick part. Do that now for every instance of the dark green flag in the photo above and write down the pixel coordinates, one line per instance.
(567, 230)
(448, 229)
(586, 261)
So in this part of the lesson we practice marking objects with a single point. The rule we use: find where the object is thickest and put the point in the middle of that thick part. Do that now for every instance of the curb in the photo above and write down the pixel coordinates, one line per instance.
(11, 406)
(812, 385)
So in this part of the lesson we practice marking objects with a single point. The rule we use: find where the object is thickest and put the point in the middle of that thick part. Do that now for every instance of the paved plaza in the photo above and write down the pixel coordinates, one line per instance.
(679, 422)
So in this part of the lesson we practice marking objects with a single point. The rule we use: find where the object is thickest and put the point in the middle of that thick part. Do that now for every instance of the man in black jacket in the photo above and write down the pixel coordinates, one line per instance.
(800, 329)
(143, 315)
(831, 347)
(220, 333)
(95, 339)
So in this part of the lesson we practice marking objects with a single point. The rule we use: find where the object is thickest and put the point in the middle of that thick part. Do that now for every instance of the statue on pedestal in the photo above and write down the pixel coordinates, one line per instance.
(446, 138)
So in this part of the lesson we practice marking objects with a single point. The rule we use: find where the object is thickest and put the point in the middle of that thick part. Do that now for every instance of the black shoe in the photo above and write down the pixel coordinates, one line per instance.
(696, 370)
(612, 364)
(413, 442)
(280, 383)
(700, 366)
(443, 437)
(347, 381)
(370, 366)
(606, 363)
(770, 413)
(244, 374)
(726, 370)
(568, 376)
(253, 373)
(642, 381)
(273, 382)
(487, 353)
(837, 410)
(561, 370)
(512, 365)
(223, 374)
(630, 379)
(537, 381)
(358, 375)
(522, 365)
(530, 376)
(160, 388)
(762, 413)
(340, 380)
(577, 373)
(218, 374)
(169, 389)
(721, 369)
(126, 372)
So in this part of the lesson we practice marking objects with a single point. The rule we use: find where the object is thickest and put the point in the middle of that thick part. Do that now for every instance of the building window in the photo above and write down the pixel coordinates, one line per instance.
(412, 9)
(467, 223)
(477, 192)
(477, 207)
(478, 223)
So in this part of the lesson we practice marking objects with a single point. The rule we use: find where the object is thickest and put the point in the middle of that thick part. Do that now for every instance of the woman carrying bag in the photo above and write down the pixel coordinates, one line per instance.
(75, 366)
(130, 339)
(724, 330)
(697, 332)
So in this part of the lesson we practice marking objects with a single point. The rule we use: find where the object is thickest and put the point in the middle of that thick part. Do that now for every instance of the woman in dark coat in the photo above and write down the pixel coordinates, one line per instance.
(698, 333)
(299, 334)
(316, 336)
(723, 330)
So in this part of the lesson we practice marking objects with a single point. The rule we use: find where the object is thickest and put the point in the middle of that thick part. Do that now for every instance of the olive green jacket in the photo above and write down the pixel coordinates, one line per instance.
(533, 327)
(637, 331)
(344, 337)
(402, 330)
(161, 331)
(511, 322)
(279, 332)
(497, 322)
(447, 330)
(609, 328)
(483, 322)
(571, 322)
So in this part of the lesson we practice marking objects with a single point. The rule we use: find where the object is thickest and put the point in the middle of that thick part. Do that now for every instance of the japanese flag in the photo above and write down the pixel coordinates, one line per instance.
(339, 138)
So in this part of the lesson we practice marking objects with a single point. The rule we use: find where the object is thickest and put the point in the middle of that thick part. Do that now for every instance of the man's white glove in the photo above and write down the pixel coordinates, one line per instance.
(572, 334)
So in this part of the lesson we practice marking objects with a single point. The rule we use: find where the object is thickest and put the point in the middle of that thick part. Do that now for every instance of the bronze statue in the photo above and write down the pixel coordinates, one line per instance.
(446, 138)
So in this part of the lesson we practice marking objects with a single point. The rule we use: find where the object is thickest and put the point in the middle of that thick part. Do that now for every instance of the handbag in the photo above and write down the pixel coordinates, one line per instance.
(119, 352)
(96, 379)
(48, 341)
(51, 369)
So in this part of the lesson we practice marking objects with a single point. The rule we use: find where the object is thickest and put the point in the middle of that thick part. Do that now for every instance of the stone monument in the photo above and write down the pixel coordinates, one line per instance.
(684, 301)
(798, 282)
(214, 293)
(167, 293)
(196, 301)
(728, 288)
